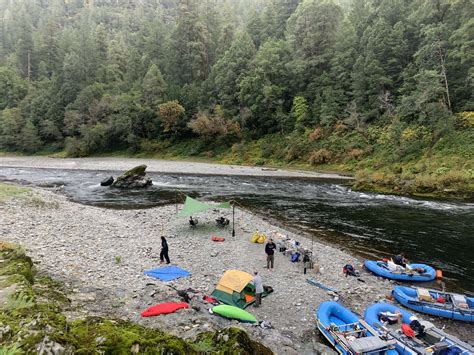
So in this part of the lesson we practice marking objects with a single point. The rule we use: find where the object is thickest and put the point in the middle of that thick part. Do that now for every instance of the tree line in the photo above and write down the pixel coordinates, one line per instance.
(90, 76)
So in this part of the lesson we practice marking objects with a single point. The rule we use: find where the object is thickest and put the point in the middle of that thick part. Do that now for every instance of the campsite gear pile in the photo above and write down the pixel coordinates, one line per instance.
(293, 250)
(258, 237)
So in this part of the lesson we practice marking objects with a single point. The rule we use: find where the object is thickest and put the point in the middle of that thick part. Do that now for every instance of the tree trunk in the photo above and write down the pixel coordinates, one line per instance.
(442, 59)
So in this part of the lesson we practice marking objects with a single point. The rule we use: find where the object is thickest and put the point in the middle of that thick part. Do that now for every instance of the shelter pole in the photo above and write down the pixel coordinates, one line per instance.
(176, 199)
(233, 214)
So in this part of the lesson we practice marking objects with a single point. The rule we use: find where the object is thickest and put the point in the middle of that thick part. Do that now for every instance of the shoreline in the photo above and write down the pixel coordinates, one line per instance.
(162, 166)
(83, 257)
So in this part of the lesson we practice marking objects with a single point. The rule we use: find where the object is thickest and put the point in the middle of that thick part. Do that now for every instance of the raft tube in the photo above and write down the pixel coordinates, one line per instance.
(331, 314)
(380, 268)
(408, 346)
(408, 296)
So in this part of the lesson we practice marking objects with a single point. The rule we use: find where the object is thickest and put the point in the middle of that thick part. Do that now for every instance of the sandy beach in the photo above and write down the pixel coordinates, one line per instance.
(79, 245)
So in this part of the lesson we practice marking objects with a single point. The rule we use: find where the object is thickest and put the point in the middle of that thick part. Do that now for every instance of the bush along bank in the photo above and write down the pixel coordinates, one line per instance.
(395, 157)
(32, 321)
(390, 156)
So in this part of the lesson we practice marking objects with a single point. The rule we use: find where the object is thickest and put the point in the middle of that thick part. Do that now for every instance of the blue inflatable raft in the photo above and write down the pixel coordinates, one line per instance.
(433, 340)
(380, 268)
(349, 334)
(436, 303)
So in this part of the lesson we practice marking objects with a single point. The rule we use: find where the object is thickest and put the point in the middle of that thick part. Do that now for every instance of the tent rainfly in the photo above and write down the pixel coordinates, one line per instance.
(234, 288)
(192, 206)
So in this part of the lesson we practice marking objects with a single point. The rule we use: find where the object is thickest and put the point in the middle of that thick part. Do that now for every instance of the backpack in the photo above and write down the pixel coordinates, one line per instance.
(295, 257)
(417, 327)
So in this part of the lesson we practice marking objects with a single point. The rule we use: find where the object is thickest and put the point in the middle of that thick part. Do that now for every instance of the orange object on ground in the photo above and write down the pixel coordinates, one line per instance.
(439, 274)
(217, 239)
(408, 331)
(210, 299)
(248, 298)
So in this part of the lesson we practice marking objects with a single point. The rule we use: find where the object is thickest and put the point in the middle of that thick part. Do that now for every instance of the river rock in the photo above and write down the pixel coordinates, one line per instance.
(133, 178)
(107, 181)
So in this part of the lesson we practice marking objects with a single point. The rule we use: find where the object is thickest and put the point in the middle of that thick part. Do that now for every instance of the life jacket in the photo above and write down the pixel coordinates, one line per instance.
(408, 331)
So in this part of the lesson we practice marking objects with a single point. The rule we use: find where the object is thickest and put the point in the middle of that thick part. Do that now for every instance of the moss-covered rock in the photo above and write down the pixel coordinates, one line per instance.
(32, 321)
(229, 341)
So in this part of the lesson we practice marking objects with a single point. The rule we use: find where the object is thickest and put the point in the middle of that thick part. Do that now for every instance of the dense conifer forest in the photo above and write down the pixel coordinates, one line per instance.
(382, 87)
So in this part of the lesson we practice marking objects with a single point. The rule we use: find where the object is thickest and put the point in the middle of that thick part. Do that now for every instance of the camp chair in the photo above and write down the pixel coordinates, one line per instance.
(193, 223)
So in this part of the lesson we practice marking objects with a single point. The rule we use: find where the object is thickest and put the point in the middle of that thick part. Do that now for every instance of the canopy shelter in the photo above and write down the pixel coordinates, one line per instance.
(234, 288)
(192, 206)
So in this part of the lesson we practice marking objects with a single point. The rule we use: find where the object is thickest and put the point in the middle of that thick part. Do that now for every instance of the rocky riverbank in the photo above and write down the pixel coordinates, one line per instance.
(160, 166)
(32, 321)
(100, 256)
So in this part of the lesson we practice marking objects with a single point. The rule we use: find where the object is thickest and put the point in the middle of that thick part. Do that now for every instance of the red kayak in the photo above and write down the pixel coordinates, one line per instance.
(217, 239)
(164, 308)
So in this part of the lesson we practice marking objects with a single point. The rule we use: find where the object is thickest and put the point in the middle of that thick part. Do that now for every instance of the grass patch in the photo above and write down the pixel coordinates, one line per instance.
(9, 191)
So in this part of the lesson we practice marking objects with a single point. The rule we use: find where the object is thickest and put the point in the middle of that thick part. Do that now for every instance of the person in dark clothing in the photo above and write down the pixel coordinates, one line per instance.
(400, 260)
(270, 251)
(164, 251)
(192, 222)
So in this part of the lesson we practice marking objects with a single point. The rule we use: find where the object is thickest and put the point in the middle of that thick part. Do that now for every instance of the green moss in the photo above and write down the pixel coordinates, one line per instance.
(229, 341)
(16, 263)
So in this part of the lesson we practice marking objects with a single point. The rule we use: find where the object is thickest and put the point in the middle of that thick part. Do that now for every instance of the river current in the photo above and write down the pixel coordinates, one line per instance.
(439, 233)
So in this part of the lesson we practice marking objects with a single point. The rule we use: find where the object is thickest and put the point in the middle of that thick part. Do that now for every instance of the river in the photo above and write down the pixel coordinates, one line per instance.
(439, 233)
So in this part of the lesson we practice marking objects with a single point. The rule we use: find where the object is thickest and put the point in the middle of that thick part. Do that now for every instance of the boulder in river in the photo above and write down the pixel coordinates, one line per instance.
(133, 178)
(107, 181)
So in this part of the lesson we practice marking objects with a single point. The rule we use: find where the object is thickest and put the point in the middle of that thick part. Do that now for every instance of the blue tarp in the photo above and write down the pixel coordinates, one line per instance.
(167, 273)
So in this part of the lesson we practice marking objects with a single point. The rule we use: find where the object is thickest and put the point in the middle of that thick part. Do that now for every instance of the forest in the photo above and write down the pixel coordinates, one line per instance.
(383, 88)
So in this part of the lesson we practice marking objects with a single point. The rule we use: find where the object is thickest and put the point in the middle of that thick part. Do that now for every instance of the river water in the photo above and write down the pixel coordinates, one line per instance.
(439, 233)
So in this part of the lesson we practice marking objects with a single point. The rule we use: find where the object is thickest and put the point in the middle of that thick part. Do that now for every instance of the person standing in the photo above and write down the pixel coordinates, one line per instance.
(164, 251)
(257, 282)
(270, 251)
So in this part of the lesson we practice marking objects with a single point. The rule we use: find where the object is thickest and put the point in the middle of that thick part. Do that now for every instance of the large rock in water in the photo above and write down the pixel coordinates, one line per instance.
(107, 181)
(133, 178)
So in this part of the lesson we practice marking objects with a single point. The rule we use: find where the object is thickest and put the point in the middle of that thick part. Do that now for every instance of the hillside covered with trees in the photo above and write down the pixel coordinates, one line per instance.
(380, 87)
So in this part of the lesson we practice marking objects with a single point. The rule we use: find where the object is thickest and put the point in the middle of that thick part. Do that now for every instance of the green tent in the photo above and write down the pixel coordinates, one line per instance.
(192, 206)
